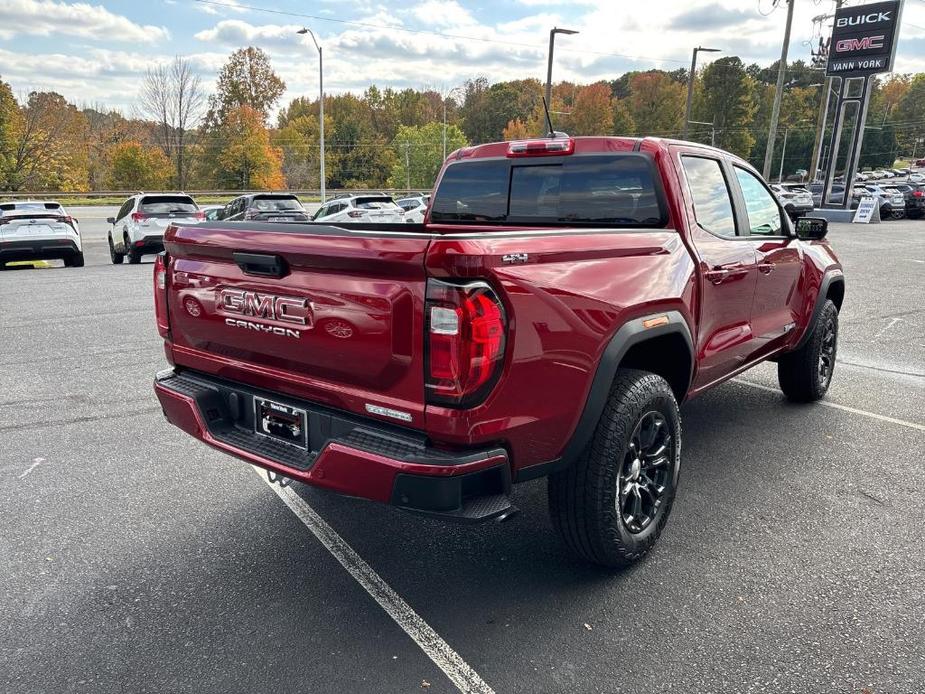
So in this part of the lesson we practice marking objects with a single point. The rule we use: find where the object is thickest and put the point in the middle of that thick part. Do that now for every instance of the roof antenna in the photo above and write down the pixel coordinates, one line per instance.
(551, 133)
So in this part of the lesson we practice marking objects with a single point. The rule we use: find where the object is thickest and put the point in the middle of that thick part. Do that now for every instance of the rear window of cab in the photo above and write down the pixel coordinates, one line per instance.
(616, 190)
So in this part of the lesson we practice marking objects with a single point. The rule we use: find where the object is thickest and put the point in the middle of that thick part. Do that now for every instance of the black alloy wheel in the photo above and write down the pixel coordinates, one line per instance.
(827, 351)
(645, 473)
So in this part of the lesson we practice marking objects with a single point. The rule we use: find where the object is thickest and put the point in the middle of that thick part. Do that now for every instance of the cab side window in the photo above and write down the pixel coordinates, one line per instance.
(764, 216)
(712, 202)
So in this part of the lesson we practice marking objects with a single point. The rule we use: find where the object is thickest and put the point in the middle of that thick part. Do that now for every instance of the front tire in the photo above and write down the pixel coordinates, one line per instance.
(805, 374)
(610, 506)
(116, 258)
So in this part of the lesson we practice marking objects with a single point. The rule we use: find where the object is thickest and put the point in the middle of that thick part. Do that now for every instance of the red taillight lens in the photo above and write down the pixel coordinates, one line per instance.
(200, 215)
(466, 337)
(918, 194)
(160, 294)
(139, 216)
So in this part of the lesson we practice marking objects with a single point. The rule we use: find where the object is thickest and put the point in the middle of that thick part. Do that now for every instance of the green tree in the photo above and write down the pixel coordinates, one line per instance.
(247, 79)
(909, 115)
(11, 122)
(419, 154)
(726, 98)
(487, 110)
(134, 166)
(623, 123)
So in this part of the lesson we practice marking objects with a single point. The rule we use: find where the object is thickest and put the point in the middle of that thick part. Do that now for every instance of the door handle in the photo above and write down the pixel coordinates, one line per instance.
(716, 276)
(765, 268)
(261, 264)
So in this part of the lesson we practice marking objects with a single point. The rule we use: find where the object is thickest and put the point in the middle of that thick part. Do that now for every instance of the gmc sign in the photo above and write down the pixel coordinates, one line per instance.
(864, 39)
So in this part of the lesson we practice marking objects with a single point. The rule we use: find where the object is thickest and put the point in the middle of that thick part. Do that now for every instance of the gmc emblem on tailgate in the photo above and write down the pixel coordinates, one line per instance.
(285, 309)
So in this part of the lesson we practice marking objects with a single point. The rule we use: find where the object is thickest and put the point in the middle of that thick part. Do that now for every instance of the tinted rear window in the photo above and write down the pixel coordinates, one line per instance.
(266, 203)
(165, 204)
(379, 202)
(606, 189)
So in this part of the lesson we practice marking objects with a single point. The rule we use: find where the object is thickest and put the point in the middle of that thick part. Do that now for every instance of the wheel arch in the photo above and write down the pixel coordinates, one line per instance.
(650, 343)
(832, 287)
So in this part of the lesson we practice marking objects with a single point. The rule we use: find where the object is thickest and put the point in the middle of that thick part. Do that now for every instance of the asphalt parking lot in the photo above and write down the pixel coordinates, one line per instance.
(136, 559)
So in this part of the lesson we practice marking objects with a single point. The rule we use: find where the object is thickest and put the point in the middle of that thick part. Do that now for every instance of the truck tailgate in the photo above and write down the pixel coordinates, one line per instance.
(341, 325)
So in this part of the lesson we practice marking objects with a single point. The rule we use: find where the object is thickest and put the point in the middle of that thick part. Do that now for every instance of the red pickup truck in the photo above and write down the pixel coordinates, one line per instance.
(561, 298)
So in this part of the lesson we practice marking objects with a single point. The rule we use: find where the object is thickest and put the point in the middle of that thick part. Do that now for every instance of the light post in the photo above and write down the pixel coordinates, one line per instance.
(690, 85)
(304, 30)
(445, 97)
(552, 44)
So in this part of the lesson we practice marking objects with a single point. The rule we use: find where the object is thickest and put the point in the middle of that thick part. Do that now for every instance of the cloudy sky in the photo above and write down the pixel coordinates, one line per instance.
(96, 52)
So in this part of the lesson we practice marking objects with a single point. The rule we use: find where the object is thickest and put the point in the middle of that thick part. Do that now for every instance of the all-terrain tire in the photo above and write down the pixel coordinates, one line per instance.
(585, 499)
(806, 373)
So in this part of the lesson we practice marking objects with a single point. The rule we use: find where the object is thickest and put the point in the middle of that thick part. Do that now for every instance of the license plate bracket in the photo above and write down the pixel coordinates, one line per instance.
(281, 422)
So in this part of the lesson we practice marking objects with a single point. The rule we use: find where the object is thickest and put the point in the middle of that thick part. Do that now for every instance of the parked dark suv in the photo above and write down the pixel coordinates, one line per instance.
(265, 207)
(915, 199)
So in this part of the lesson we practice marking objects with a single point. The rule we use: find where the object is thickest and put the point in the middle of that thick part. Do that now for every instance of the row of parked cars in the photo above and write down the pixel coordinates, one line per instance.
(138, 228)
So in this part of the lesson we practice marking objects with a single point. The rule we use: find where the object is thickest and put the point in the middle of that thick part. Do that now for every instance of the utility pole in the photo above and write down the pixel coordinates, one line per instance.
(780, 174)
(775, 111)
(823, 113)
(690, 87)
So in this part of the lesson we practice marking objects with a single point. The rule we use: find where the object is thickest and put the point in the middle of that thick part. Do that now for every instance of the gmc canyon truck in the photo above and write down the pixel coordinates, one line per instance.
(562, 296)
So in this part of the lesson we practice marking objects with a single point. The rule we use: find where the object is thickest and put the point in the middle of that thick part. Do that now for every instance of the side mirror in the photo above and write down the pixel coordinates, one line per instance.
(812, 228)
(110, 220)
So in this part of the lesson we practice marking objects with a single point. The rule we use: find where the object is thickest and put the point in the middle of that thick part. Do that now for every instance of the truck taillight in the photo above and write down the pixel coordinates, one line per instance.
(465, 342)
(160, 294)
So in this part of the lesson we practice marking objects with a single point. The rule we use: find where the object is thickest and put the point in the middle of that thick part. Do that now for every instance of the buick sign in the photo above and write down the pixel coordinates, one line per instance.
(864, 39)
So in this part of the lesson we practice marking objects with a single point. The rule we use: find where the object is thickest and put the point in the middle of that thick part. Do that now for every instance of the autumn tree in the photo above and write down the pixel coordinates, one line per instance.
(172, 97)
(656, 103)
(419, 154)
(487, 109)
(241, 154)
(50, 146)
(247, 79)
(592, 113)
(134, 166)
(299, 140)
(623, 123)
(908, 115)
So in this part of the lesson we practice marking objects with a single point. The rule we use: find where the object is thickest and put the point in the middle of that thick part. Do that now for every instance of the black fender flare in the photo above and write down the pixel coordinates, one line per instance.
(630, 334)
(830, 278)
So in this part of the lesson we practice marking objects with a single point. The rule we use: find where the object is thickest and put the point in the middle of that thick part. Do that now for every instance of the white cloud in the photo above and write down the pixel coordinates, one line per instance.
(444, 13)
(47, 17)
(238, 33)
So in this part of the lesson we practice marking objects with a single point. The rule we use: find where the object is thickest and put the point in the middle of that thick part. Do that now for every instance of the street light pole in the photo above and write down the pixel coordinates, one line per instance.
(552, 45)
(778, 94)
(304, 30)
(690, 86)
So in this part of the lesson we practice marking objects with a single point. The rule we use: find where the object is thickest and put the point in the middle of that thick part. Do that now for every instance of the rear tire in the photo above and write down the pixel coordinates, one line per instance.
(76, 260)
(116, 258)
(610, 505)
(130, 253)
(805, 374)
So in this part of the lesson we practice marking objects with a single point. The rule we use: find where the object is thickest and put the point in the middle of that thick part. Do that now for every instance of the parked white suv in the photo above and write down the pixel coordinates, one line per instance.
(380, 209)
(39, 230)
(138, 228)
(414, 206)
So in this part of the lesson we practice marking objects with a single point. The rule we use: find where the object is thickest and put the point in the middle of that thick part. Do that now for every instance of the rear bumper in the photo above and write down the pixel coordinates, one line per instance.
(346, 454)
(148, 244)
(37, 249)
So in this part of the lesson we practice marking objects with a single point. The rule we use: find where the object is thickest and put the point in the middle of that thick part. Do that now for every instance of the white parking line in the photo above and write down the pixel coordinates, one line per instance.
(460, 673)
(836, 406)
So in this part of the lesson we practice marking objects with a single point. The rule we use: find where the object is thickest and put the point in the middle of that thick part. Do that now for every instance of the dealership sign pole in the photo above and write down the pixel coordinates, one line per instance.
(863, 44)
